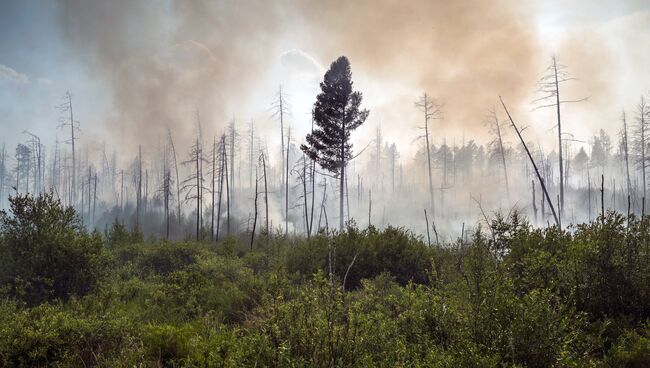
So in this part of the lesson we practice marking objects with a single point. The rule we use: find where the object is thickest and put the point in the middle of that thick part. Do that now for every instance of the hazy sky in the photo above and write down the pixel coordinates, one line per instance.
(137, 67)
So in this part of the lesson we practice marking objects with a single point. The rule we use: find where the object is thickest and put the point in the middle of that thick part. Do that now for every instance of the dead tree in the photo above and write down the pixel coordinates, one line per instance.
(286, 186)
(532, 185)
(165, 191)
(369, 207)
(496, 146)
(301, 171)
(69, 121)
(626, 153)
(266, 197)
(255, 210)
(37, 155)
(89, 193)
(178, 183)
(602, 197)
(222, 162)
(251, 157)
(232, 136)
(23, 165)
(281, 108)
(193, 185)
(641, 142)
(426, 219)
(532, 161)
(228, 194)
(212, 184)
(394, 156)
(432, 111)
(139, 194)
(549, 87)
(94, 199)
(322, 206)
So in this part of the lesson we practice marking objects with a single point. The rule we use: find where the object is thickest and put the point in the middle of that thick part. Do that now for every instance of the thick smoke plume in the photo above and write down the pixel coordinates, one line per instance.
(163, 61)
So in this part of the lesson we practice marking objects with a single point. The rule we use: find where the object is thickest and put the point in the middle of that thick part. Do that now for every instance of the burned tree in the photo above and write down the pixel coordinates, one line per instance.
(178, 184)
(266, 196)
(532, 161)
(641, 142)
(496, 148)
(193, 185)
(281, 108)
(549, 87)
(23, 164)
(68, 121)
(336, 113)
(626, 154)
(432, 111)
(222, 165)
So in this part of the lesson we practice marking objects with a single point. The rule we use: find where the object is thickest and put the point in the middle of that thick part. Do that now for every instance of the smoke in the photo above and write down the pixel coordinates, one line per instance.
(162, 62)
(464, 53)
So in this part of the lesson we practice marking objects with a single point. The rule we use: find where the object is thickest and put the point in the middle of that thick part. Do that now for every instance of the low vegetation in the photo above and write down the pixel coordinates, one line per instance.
(511, 295)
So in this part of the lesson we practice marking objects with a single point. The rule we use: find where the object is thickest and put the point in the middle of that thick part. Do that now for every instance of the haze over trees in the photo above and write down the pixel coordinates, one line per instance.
(532, 257)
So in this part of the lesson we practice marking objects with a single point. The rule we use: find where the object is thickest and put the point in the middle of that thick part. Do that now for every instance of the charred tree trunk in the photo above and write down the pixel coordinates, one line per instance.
(539, 177)
(214, 174)
(286, 187)
(255, 212)
(266, 199)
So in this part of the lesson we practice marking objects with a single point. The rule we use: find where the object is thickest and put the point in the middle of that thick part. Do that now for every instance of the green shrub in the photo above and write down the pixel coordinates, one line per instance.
(631, 350)
(51, 335)
(46, 251)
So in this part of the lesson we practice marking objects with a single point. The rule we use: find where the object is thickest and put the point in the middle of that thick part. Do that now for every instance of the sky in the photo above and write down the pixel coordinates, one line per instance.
(136, 68)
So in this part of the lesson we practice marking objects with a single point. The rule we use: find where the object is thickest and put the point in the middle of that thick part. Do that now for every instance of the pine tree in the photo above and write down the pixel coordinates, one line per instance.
(336, 114)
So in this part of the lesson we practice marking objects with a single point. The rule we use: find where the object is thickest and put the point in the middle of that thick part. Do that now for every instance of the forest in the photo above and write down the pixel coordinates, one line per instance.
(148, 281)
(322, 184)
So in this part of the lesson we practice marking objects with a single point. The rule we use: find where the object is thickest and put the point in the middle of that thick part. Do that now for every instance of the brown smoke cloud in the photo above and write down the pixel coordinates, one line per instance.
(464, 52)
(163, 61)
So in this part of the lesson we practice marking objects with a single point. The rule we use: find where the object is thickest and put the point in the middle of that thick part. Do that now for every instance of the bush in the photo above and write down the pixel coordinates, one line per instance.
(51, 335)
(393, 250)
(631, 350)
(47, 253)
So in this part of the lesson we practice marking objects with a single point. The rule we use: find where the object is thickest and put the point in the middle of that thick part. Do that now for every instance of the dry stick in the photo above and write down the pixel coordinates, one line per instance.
(539, 177)
(435, 231)
(426, 218)
(643, 208)
(628, 210)
(345, 278)
(322, 204)
(462, 233)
